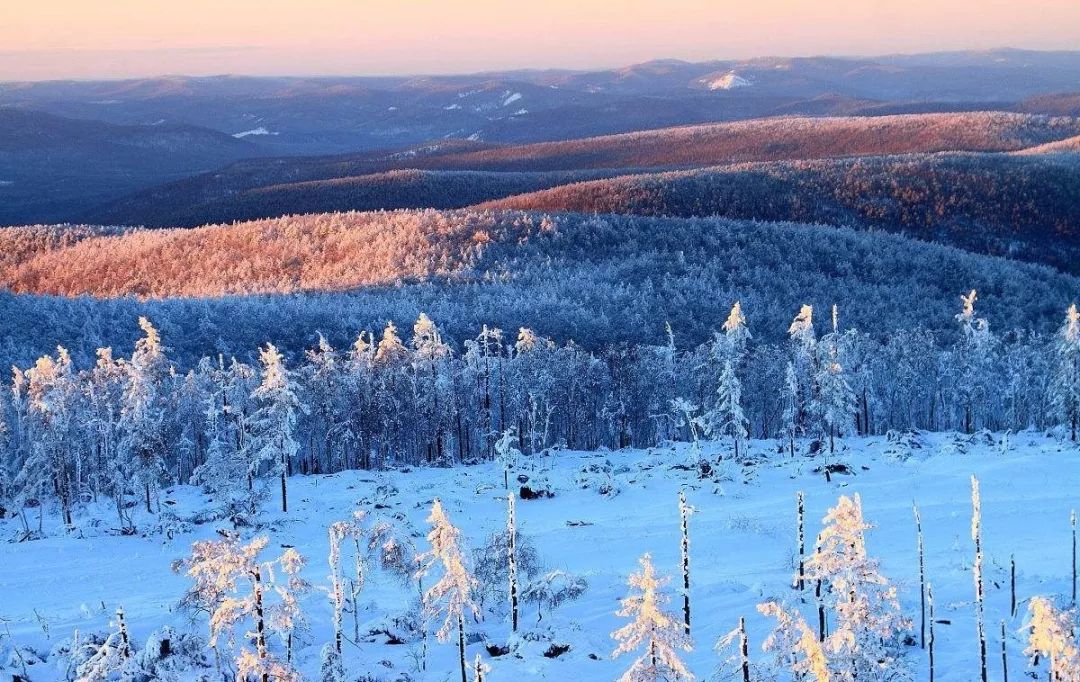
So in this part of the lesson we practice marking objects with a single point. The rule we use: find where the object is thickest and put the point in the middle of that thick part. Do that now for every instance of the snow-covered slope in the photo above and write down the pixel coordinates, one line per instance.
(742, 552)
(726, 81)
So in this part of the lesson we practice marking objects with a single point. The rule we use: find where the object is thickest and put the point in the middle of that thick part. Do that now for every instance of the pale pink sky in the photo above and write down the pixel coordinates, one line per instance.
(118, 38)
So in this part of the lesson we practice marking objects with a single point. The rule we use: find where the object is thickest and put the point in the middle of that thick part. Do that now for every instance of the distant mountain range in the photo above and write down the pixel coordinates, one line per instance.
(263, 188)
(55, 165)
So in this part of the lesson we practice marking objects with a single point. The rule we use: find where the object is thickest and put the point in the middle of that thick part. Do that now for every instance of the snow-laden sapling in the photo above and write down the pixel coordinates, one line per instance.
(493, 569)
(339, 533)
(553, 589)
(794, 645)
(1052, 637)
(652, 631)
(737, 664)
(246, 586)
(868, 626)
(113, 659)
(451, 597)
(507, 455)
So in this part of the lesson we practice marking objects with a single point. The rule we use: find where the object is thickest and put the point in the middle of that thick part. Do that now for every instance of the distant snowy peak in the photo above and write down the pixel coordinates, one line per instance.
(254, 132)
(727, 81)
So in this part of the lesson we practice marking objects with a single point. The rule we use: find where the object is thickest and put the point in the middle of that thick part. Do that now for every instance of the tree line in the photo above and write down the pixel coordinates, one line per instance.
(125, 427)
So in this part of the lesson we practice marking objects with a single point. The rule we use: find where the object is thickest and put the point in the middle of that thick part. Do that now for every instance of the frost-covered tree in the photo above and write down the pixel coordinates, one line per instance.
(480, 669)
(339, 533)
(1052, 636)
(867, 637)
(794, 644)
(1066, 379)
(973, 358)
(240, 589)
(451, 597)
(114, 659)
(727, 416)
(652, 631)
(835, 403)
(142, 444)
(273, 425)
(507, 455)
(331, 669)
(804, 371)
(552, 589)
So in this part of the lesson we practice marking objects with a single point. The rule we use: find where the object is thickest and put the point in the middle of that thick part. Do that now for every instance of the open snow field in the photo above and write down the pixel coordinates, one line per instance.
(742, 553)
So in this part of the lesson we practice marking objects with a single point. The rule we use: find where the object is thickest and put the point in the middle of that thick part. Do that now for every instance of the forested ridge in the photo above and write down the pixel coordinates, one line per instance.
(595, 279)
(235, 191)
(1021, 207)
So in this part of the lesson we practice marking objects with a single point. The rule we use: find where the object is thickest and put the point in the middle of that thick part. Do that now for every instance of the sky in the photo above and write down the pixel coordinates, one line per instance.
(45, 39)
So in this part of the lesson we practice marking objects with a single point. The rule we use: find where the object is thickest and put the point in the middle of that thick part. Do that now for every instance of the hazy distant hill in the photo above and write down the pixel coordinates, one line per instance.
(1020, 206)
(228, 193)
(330, 115)
(53, 167)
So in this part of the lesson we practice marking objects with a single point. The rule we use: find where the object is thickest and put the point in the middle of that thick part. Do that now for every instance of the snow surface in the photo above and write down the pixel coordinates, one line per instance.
(742, 549)
(511, 99)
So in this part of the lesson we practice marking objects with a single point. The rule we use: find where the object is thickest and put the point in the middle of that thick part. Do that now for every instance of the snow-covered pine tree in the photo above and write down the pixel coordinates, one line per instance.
(143, 414)
(727, 416)
(273, 425)
(973, 358)
(685, 510)
(794, 644)
(835, 405)
(736, 333)
(652, 630)
(867, 636)
(511, 557)
(977, 573)
(804, 358)
(1066, 378)
(451, 597)
(51, 415)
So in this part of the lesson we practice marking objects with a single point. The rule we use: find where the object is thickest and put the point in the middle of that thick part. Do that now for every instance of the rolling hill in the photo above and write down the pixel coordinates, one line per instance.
(596, 279)
(775, 139)
(1018, 206)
